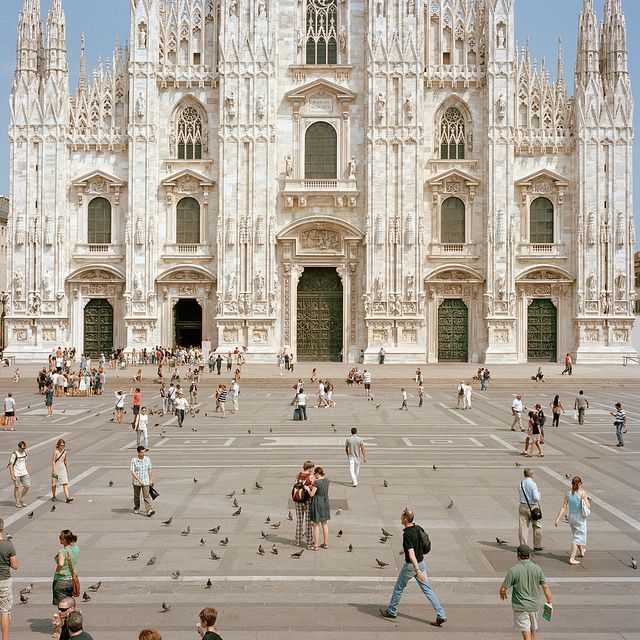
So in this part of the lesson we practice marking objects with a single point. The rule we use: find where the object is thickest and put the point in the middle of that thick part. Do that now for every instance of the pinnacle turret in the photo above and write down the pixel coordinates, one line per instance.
(29, 51)
(613, 45)
(588, 56)
(56, 53)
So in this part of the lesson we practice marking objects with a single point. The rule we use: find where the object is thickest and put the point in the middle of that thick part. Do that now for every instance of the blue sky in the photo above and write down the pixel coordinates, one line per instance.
(543, 21)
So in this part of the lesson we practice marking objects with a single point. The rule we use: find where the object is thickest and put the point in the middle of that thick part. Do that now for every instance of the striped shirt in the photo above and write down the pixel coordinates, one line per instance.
(223, 396)
(620, 416)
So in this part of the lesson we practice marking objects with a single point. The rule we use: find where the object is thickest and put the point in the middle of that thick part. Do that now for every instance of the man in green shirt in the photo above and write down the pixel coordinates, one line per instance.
(526, 579)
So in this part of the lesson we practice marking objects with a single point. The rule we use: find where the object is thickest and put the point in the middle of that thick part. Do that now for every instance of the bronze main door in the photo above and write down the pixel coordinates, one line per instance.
(98, 327)
(453, 331)
(542, 331)
(319, 315)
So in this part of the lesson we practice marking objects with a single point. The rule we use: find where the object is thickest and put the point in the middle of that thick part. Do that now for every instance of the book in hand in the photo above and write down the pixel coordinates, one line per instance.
(548, 611)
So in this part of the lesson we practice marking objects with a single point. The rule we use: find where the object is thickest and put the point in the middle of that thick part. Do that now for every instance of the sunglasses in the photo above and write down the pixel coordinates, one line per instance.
(61, 610)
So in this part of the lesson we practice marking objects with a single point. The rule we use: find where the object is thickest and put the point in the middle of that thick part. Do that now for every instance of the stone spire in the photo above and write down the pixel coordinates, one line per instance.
(588, 57)
(82, 76)
(613, 45)
(560, 68)
(56, 53)
(30, 38)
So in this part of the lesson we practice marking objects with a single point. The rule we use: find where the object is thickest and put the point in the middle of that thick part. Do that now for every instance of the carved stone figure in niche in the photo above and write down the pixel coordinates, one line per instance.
(379, 286)
(411, 7)
(18, 283)
(35, 303)
(230, 286)
(411, 284)
(342, 38)
(19, 230)
(60, 302)
(605, 231)
(501, 286)
(33, 230)
(47, 284)
(261, 106)
(140, 106)
(231, 231)
(409, 234)
(139, 231)
(580, 303)
(128, 304)
(381, 103)
(591, 285)
(288, 165)
(137, 284)
(421, 232)
(260, 236)
(501, 36)
(260, 282)
(621, 282)
(366, 300)
(409, 107)
(262, 8)
(501, 107)
(273, 225)
(620, 228)
(379, 7)
(352, 165)
(395, 304)
(632, 232)
(142, 36)
(60, 237)
(48, 231)
(230, 103)
(151, 232)
(233, 7)
(300, 39)
(127, 229)
(591, 229)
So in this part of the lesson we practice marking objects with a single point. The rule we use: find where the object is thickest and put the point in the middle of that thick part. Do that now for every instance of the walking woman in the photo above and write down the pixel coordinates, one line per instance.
(556, 410)
(535, 436)
(143, 428)
(66, 566)
(48, 401)
(59, 471)
(320, 509)
(579, 506)
(119, 406)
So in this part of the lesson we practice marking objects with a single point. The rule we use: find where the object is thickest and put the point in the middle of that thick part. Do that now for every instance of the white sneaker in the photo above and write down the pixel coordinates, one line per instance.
(136, 511)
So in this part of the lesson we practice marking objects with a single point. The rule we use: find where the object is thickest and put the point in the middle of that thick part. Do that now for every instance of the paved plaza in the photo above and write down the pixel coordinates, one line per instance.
(329, 593)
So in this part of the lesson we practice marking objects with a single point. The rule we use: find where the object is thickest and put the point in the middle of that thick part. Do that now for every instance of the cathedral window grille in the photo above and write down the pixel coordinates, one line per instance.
(99, 221)
(321, 152)
(321, 32)
(188, 221)
(452, 135)
(189, 137)
(452, 221)
(541, 221)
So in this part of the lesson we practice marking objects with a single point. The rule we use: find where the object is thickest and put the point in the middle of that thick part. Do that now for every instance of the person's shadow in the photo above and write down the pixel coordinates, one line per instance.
(374, 611)
(40, 625)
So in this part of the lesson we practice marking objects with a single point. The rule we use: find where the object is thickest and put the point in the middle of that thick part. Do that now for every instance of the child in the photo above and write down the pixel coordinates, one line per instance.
(404, 400)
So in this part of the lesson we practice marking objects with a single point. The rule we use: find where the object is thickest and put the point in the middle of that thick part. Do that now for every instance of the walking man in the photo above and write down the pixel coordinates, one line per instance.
(19, 471)
(529, 498)
(366, 378)
(356, 454)
(8, 561)
(235, 396)
(420, 393)
(142, 473)
(301, 403)
(568, 365)
(525, 580)
(182, 405)
(581, 405)
(516, 411)
(414, 551)
(304, 530)
(620, 423)
(403, 394)
(381, 355)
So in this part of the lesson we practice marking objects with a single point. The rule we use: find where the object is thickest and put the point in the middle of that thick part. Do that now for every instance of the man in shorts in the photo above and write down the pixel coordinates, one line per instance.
(366, 378)
(19, 470)
(8, 561)
(9, 412)
(525, 579)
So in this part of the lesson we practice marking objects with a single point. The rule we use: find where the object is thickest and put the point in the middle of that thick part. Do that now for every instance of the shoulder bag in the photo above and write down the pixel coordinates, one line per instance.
(536, 512)
(586, 511)
(76, 581)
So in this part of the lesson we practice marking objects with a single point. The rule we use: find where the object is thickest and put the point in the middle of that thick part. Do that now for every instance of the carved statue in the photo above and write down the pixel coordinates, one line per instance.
(411, 7)
(381, 103)
(137, 284)
(501, 236)
(273, 225)
(260, 282)
(501, 107)
(142, 36)
(19, 230)
(501, 36)
(139, 231)
(140, 106)
(18, 283)
(127, 228)
(409, 107)
(411, 283)
(342, 38)
(262, 8)
(33, 230)
(591, 229)
(501, 286)
(621, 281)
(288, 165)
(605, 231)
(231, 231)
(620, 228)
(379, 7)
(47, 284)
(233, 7)
(379, 286)
(421, 232)
(60, 236)
(230, 288)
(128, 304)
(352, 164)
(48, 231)
(261, 106)
(35, 303)
(60, 302)
(632, 232)
(580, 303)
(230, 102)
(151, 231)
(300, 39)
(260, 236)
(591, 285)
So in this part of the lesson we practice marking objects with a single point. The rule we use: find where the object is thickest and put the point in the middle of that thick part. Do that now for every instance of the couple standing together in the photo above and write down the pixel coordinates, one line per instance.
(310, 496)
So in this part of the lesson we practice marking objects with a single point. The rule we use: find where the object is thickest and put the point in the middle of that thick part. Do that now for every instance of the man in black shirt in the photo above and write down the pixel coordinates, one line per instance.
(413, 568)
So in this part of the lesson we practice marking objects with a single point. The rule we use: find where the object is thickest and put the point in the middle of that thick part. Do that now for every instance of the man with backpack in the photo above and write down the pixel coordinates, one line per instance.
(416, 545)
(302, 502)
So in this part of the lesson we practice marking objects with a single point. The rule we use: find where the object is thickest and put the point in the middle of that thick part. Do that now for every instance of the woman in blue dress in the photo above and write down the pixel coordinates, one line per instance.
(576, 500)
(320, 509)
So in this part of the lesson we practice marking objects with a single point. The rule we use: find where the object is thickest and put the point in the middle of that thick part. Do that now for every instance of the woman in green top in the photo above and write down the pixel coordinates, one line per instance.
(62, 578)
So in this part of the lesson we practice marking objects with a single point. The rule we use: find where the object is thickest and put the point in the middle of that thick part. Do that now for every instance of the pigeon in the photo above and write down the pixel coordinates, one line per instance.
(152, 561)
(386, 533)
(95, 587)
(289, 516)
(209, 584)
(235, 502)
(111, 483)
(214, 556)
(176, 575)
(195, 479)
(268, 520)
(203, 541)
(194, 429)
(230, 495)
(383, 539)
(86, 597)
(260, 550)
(166, 607)
(274, 550)
(259, 486)
(215, 529)
(380, 563)
(270, 430)
(338, 512)
(517, 464)
(450, 505)
(224, 542)
(133, 556)
(186, 532)
(385, 483)
(26, 590)
(634, 563)
(350, 548)
(501, 541)
(244, 491)
(297, 554)
(53, 508)
(237, 511)
(111, 419)
(276, 525)
(248, 430)
(340, 533)
(23, 599)
(434, 467)
(378, 405)
(167, 522)
(264, 535)
(30, 515)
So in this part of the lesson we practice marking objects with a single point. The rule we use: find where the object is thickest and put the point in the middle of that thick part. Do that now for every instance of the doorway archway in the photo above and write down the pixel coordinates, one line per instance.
(98, 327)
(542, 331)
(187, 323)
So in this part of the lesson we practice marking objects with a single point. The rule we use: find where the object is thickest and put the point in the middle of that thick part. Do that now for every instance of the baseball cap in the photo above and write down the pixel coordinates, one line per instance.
(523, 551)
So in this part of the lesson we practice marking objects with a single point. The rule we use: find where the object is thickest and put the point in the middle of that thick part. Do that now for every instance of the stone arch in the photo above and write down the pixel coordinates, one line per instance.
(459, 104)
(346, 228)
(96, 272)
(543, 272)
(189, 138)
(459, 272)
(172, 273)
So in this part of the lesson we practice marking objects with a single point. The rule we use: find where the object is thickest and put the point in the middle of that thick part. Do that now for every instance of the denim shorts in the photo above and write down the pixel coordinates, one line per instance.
(61, 589)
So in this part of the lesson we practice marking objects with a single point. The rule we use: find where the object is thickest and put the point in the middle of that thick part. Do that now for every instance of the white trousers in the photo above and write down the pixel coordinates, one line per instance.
(354, 469)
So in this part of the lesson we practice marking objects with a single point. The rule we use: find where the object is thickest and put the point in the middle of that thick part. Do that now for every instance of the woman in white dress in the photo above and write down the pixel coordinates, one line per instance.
(59, 470)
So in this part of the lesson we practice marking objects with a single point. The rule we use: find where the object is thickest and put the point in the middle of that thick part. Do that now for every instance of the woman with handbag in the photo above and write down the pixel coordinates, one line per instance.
(59, 471)
(579, 507)
(65, 579)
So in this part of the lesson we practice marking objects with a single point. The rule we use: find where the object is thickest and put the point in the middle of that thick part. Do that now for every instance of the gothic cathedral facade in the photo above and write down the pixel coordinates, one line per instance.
(329, 176)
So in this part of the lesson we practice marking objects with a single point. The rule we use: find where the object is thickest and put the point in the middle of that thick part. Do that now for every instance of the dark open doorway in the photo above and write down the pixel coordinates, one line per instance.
(187, 322)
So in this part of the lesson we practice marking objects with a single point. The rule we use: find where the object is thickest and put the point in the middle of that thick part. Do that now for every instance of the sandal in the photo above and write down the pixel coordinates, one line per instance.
(324, 546)
(312, 548)
(541, 455)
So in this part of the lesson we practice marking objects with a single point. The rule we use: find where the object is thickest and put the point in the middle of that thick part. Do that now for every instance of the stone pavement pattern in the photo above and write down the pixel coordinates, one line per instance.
(329, 593)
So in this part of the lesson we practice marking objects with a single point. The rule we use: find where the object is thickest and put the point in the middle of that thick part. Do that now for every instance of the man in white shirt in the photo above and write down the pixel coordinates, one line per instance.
(235, 392)
(182, 405)
(366, 378)
(9, 412)
(516, 411)
(19, 471)
(529, 498)
(301, 402)
(356, 454)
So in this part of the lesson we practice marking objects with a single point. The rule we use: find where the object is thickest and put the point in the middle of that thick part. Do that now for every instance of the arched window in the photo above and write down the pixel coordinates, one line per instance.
(321, 29)
(189, 134)
(188, 221)
(541, 221)
(321, 151)
(99, 221)
(452, 134)
(452, 223)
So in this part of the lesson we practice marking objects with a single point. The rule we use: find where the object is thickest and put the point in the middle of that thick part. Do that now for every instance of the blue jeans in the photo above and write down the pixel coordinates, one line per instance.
(406, 573)
(483, 384)
(619, 427)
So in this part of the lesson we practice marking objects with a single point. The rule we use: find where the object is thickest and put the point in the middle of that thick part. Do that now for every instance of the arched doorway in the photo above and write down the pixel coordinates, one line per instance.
(98, 327)
(453, 331)
(542, 331)
(319, 317)
(187, 323)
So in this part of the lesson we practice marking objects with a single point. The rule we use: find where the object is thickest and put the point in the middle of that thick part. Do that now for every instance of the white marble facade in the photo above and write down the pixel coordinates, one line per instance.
(426, 101)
